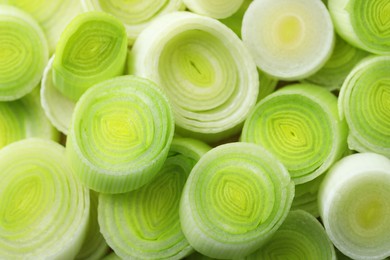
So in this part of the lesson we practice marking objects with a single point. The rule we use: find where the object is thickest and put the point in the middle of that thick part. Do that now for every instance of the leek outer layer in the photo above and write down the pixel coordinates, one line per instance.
(120, 134)
(205, 70)
(144, 224)
(217, 9)
(92, 48)
(301, 236)
(364, 103)
(44, 208)
(364, 24)
(135, 15)
(235, 198)
(288, 39)
(23, 53)
(354, 205)
(301, 126)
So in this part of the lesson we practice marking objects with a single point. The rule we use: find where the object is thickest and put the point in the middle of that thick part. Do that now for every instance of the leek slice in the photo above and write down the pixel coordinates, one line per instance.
(23, 53)
(137, 14)
(355, 207)
(288, 39)
(364, 24)
(120, 134)
(364, 102)
(217, 9)
(301, 126)
(144, 224)
(24, 118)
(44, 209)
(205, 70)
(268, 84)
(339, 65)
(92, 48)
(234, 21)
(52, 15)
(301, 236)
(57, 107)
(235, 198)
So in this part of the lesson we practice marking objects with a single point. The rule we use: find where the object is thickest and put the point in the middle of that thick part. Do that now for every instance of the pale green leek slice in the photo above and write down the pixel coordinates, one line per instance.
(268, 84)
(339, 65)
(44, 208)
(92, 48)
(288, 39)
(355, 207)
(24, 118)
(112, 256)
(234, 21)
(137, 14)
(120, 134)
(364, 24)
(205, 70)
(301, 236)
(301, 126)
(364, 102)
(23, 53)
(52, 15)
(57, 107)
(235, 198)
(144, 224)
(217, 9)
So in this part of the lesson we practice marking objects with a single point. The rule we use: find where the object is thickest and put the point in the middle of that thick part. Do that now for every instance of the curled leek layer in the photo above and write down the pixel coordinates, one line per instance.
(205, 70)
(23, 53)
(364, 102)
(24, 118)
(235, 198)
(135, 15)
(52, 15)
(120, 134)
(364, 24)
(288, 39)
(217, 9)
(144, 224)
(44, 209)
(234, 21)
(92, 48)
(301, 126)
(355, 207)
(301, 236)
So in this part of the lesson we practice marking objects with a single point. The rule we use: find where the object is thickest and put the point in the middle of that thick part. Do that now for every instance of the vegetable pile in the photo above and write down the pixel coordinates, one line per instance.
(194, 129)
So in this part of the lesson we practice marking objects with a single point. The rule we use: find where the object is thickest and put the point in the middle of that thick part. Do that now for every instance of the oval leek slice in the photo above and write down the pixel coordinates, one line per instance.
(137, 14)
(52, 15)
(301, 236)
(364, 102)
(23, 53)
(217, 9)
(57, 107)
(301, 126)
(92, 48)
(288, 39)
(355, 207)
(144, 224)
(235, 198)
(205, 70)
(44, 209)
(120, 134)
(364, 24)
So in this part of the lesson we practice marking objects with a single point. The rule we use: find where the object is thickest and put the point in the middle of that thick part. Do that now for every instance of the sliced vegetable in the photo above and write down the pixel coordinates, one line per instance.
(217, 9)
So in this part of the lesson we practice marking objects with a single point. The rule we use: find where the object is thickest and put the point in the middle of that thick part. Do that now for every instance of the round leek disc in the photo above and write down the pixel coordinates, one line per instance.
(136, 15)
(44, 208)
(355, 207)
(144, 224)
(364, 101)
(217, 9)
(301, 126)
(235, 198)
(92, 48)
(364, 24)
(120, 134)
(205, 70)
(288, 39)
(23, 53)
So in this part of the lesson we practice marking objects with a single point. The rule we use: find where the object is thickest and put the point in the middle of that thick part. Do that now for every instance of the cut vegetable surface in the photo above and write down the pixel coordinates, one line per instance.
(216, 9)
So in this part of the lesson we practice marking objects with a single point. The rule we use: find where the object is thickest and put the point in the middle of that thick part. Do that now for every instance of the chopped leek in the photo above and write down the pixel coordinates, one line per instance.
(217, 9)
